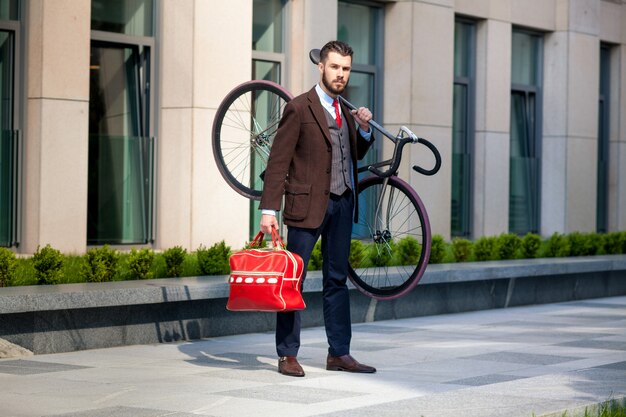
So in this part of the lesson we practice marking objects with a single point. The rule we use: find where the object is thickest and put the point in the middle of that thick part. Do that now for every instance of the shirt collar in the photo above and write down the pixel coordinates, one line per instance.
(325, 99)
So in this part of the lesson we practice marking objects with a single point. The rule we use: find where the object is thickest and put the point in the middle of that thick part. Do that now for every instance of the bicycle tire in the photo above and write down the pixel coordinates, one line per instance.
(243, 132)
(403, 215)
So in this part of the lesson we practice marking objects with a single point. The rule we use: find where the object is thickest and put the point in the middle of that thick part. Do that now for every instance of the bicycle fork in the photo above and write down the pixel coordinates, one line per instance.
(381, 234)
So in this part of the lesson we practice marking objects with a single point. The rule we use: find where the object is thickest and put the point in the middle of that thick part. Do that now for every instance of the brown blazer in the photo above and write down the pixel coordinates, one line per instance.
(299, 166)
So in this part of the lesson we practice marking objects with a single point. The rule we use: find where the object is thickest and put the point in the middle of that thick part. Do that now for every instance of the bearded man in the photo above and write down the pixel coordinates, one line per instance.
(313, 165)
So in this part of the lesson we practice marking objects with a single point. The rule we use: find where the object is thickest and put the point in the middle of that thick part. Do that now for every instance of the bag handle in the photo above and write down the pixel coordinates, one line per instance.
(277, 242)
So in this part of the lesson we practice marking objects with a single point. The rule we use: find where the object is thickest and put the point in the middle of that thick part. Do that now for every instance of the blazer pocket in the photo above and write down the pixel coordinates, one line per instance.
(297, 199)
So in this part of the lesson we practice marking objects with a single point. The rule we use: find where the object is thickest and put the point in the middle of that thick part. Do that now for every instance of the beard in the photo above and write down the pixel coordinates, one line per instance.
(330, 87)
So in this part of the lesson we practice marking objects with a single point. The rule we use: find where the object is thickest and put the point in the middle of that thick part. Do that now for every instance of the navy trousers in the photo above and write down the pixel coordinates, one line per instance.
(336, 230)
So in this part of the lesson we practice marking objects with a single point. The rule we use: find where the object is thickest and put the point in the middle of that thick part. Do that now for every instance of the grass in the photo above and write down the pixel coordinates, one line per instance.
(609, 408)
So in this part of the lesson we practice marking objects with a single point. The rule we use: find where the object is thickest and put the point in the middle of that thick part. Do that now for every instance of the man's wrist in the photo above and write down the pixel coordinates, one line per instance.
(269, 212)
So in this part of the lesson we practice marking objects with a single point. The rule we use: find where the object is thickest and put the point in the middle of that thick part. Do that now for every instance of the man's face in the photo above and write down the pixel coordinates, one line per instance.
(335, 72)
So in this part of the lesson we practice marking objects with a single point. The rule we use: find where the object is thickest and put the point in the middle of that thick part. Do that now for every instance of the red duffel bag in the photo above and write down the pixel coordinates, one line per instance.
(265, 279)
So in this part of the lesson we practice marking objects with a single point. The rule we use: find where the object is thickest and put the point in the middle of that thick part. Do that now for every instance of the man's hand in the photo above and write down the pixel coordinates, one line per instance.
(267, 222)
(362, 115)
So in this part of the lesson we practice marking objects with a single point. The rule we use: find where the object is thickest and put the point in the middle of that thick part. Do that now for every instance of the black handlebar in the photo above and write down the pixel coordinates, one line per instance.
(394, 162)
(435, 152)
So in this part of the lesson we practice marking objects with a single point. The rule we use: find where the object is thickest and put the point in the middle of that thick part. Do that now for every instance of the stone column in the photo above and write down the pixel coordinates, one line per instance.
(569, 154)
(56, 145)
(202, 58)
(418, 93)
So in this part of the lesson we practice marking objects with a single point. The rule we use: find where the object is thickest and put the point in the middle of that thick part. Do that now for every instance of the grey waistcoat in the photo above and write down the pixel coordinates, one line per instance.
(341, 162)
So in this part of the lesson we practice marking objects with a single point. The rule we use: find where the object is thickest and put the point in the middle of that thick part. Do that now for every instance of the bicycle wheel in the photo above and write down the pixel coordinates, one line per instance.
(243, 132)
(393, 229)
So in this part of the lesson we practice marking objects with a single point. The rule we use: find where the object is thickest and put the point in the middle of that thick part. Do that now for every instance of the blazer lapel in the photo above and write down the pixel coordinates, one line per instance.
(318, 113)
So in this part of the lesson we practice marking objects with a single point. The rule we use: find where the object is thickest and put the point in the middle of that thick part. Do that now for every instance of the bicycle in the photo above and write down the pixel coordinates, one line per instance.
(393, 226)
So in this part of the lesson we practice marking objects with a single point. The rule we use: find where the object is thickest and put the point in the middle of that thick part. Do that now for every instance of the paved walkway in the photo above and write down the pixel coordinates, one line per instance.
(527, 361)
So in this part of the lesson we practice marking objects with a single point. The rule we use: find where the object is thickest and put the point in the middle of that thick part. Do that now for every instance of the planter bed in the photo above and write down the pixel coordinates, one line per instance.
(60, 318)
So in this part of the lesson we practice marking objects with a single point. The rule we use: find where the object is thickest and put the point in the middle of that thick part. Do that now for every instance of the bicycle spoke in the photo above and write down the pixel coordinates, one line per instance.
(243, 133)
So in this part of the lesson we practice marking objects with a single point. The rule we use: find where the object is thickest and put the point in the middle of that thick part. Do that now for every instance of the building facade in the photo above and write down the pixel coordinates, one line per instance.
(107, 109)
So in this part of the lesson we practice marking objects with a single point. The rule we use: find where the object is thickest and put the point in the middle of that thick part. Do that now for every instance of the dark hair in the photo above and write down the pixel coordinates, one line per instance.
(341, 48)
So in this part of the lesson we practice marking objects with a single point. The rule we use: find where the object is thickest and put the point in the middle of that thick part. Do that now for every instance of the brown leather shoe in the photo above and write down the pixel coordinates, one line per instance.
(288, 365)
(347, 363)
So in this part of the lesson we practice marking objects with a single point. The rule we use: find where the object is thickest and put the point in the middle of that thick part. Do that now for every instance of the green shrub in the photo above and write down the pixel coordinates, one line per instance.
(484, 248)
(507, 245)
(174, 258)
(612, 243)
(315, 261)
(214, 260)
(461, 249)
(557, 246)
(408, 251)
(581, 244)
(48, 264)
(8, 264)
(623, 240)
(100, 264)
(140, 263)
(597, 242)
(530, 245)
(357, 253)
(437, 250)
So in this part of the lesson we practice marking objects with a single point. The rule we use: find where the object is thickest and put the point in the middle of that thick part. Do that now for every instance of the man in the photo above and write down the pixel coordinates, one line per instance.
(313, 164)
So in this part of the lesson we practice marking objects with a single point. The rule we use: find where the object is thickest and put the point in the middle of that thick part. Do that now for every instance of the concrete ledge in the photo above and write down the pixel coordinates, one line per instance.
(47, 319)
(90, 295)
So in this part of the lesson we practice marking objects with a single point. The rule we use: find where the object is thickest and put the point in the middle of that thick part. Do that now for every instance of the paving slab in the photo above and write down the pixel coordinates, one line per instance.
(516, 362)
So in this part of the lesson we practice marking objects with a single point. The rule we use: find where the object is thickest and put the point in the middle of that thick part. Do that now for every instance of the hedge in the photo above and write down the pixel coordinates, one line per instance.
(49, 266)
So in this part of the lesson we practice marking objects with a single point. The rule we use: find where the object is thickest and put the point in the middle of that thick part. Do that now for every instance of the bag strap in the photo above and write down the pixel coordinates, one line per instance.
(277, 242)
(256, 242)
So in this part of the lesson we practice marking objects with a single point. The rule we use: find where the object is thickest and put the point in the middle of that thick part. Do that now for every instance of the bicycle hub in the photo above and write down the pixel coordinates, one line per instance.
(382, 236)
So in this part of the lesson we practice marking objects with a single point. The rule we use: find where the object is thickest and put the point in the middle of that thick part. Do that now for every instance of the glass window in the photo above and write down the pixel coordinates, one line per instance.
(120, 150)
(9, 9)
(462, 128)
(603, 140)
(9, 133)
(526, 48)
(464, 40)
(8, 142)
(360, 25)
(358, 28)
(267, 25)
(524, 174)
(120, 181)
(129, 17)
(270, 71)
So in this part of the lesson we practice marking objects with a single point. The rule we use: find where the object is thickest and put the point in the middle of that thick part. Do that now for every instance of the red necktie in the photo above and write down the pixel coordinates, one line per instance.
(337, 114)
